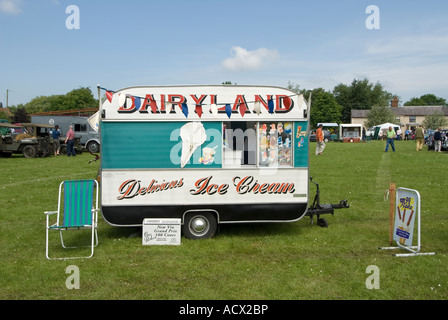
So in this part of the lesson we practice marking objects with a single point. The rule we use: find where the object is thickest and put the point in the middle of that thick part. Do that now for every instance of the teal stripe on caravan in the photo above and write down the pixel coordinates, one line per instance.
(153, 145)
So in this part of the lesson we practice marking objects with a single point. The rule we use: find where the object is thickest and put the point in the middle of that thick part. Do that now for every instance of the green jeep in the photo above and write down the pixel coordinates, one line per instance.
(35, 142)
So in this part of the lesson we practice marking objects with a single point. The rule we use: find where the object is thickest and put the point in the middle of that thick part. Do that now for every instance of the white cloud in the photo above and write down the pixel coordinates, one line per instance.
(243, 59)
(10, 6)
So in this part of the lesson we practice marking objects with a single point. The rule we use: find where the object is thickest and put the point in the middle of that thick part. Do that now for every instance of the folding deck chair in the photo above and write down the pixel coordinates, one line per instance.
(79, 201)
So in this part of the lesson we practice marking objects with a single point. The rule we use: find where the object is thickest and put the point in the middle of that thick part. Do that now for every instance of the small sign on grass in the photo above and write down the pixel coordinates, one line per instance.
(161, 232)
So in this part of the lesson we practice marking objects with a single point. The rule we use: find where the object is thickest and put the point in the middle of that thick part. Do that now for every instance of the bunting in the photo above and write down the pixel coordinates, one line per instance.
(185, 109)
(243, 109)
(228, 110)
(198, 110)
(271, 106)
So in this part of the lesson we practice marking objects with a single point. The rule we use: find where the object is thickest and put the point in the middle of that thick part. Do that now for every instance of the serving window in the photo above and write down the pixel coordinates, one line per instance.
(257, 144)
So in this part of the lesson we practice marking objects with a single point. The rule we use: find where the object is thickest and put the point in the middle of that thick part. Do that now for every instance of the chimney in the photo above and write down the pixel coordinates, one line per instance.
(394, 103)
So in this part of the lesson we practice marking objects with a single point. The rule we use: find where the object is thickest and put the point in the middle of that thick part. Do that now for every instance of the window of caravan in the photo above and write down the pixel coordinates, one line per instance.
(267, 143)
(239, 143)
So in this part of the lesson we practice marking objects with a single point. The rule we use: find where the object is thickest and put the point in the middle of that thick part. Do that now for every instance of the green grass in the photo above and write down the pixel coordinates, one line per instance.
(251, 261)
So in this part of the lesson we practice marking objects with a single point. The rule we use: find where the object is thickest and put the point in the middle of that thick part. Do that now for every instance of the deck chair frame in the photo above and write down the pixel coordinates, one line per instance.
(77, 210)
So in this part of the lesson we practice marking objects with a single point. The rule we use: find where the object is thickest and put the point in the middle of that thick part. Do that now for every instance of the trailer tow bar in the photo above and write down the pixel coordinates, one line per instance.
(318, 209)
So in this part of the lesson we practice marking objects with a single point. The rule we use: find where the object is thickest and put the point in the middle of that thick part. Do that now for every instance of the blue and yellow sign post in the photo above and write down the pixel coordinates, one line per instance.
(407, 212)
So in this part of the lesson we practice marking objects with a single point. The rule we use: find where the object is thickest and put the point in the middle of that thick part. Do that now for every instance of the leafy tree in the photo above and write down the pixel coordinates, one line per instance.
(295, 87)
(324, 107)
(81, 98)
(5, 115)
(378, 115)
(21, 116)
(434, 121)
(426, 100)
(360, 95)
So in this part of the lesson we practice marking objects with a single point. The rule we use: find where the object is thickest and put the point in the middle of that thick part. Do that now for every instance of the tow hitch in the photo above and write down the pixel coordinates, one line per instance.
(318, 209)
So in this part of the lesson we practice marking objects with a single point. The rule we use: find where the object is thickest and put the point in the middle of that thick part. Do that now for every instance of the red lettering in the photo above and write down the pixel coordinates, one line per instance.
(149, 101)
(222, 189)
(283, 104)
(249, 184)
(258, 98)
(198, 100)
(131, 188)
(204, 186)
(128, 188)
(172, 98)
(127, 107)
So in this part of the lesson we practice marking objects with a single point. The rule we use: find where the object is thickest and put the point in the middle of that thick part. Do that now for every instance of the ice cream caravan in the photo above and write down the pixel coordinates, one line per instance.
(207, 155)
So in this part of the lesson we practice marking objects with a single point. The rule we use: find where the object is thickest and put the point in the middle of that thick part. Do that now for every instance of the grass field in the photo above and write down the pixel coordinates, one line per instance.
(257, 261)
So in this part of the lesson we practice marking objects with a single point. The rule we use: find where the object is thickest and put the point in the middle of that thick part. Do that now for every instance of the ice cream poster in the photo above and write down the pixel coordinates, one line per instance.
(405, 212)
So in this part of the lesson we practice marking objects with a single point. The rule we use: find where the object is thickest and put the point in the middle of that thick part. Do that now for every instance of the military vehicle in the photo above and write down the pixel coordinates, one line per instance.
(35, 142)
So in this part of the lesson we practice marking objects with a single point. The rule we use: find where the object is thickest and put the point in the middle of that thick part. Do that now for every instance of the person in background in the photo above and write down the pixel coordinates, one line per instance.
(57, 143)
(390, 139)
(320, 141)
(407, 134)
(438, 141)
(70, 141)
(399, 134)
(419, 137)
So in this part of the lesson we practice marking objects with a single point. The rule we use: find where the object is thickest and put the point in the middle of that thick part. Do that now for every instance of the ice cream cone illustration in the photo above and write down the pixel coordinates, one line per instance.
(193, 135)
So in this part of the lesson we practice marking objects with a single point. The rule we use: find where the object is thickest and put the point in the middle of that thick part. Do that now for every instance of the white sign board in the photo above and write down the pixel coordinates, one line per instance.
(161, 232)
(407, 208)
(407, 211)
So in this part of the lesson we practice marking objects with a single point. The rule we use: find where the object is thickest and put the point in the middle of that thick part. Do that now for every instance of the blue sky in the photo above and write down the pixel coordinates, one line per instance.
(314, 44)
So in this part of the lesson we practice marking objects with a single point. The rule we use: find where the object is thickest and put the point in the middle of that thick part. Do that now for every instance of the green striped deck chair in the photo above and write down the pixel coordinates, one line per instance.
(77, 210)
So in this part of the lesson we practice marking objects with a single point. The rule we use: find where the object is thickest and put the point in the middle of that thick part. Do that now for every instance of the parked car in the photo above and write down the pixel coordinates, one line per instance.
(430, 140)
(327, 135)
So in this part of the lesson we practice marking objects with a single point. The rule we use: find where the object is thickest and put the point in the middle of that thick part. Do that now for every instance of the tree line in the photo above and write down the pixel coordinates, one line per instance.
(81, 98)
(336, 105)
(326, 106)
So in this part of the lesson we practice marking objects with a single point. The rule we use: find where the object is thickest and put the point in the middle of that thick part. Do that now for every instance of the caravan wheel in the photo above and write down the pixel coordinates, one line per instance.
(199, 225)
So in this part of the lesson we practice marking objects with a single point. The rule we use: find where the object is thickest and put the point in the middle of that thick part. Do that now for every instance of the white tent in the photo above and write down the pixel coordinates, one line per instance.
(385, 126)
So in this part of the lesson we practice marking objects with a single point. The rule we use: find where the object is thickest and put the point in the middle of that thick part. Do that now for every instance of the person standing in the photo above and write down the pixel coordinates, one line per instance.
(320, 141)
(438, 141)
(57, 143)
(70, 141)
(419, 137)
(390, 139)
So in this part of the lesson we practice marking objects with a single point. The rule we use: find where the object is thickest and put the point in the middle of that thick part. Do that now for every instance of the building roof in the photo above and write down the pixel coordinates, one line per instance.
(420, 110)
(6, 110)
(406, 111)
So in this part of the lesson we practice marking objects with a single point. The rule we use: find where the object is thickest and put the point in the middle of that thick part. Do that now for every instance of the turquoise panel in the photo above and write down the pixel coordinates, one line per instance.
(301, 144)
(154, 145)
